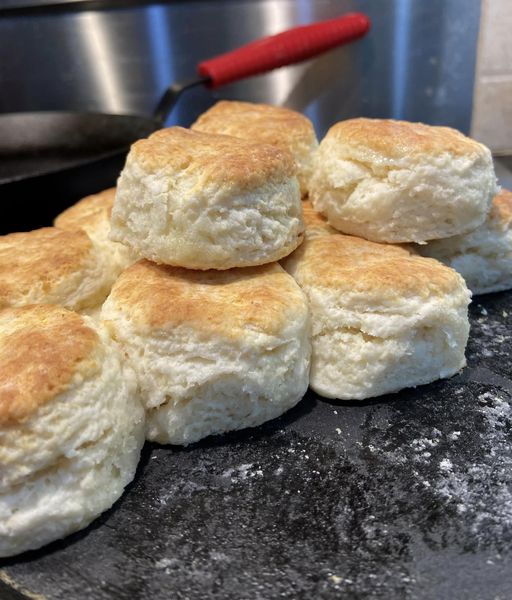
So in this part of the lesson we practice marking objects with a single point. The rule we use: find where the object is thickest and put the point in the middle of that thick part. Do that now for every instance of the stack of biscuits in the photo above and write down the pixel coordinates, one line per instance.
(235, 264)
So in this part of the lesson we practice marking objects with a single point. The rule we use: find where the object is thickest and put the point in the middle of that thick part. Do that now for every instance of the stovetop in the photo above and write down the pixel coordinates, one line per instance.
(406, 496)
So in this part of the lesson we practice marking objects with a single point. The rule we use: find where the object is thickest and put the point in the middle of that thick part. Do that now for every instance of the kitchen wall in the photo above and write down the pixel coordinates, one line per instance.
(417, 63)
(492, 113)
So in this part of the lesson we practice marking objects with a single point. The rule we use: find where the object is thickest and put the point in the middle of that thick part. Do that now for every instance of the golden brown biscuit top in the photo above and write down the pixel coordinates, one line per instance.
(221, 159)
(501, 208)
(39, 259)
(401, 138)
(42, 348)
(89, 213)
(259, 122)
(313, 219)
(351, 264)
(227, 303)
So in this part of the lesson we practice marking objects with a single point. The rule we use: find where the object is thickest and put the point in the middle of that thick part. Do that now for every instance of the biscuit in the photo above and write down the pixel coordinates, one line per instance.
(315, 223)
(394, 181)
(52, 266)
(213, 351)
(71, 425)
(205, 201)
(274, 125)
(483, 256)
(382, 318)
(92, 215)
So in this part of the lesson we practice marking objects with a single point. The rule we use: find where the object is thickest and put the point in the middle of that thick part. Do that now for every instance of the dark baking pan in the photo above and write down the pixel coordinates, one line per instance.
(407, 497)
(50, 160)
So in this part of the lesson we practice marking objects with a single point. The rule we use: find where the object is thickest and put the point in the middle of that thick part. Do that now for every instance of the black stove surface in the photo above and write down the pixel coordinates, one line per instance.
(407, 496)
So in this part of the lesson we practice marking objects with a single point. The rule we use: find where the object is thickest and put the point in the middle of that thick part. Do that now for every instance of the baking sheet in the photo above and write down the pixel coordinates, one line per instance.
(407, 496)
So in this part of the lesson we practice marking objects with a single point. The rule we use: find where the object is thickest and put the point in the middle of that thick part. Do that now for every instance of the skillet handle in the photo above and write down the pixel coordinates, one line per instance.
(292, 46)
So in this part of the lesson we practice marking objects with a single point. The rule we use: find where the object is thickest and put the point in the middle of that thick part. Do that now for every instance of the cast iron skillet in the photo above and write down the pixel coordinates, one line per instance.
(48, 160)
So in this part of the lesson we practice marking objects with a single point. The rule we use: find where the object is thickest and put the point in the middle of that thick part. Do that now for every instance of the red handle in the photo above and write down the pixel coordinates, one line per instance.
(292, 46)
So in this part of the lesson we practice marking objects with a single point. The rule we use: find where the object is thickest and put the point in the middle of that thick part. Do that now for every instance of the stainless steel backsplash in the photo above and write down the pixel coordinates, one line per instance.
(417, 63)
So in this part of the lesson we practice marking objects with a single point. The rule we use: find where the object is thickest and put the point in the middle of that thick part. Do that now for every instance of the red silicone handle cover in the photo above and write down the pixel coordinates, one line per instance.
(292, 46)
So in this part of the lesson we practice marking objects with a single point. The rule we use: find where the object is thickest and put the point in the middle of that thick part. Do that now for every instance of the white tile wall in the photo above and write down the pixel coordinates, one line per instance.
(492, 101)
